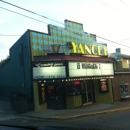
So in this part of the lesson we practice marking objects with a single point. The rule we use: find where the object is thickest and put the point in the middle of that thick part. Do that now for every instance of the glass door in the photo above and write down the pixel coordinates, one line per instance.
(89, 92)
(56, 96)
(86, 90)
(51, 102)
(60, 96)
(84, 93)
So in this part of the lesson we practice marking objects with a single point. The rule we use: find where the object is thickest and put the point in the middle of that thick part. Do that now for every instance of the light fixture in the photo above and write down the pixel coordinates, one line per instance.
(53, 80)
(111, 76)
(39, 81)
(44, 80)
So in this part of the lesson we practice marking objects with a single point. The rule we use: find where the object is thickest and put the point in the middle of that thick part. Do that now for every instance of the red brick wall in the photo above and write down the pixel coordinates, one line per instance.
(119, 78)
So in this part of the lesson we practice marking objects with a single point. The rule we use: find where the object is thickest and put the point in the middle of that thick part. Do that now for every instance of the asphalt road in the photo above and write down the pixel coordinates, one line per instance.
(113, 121)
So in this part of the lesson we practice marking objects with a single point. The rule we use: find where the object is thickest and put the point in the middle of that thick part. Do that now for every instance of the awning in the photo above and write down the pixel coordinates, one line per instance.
(70, 57)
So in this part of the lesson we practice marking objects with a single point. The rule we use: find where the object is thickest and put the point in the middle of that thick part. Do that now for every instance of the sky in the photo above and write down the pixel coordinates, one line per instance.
(109, 19)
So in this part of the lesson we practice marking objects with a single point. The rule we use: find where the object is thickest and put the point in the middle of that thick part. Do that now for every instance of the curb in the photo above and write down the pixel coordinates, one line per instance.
(89, 114)
(80, 115)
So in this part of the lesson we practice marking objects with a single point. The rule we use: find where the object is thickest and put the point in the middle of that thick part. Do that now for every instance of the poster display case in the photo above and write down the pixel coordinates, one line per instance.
(103, 86)
(42, 94)
(124, 90)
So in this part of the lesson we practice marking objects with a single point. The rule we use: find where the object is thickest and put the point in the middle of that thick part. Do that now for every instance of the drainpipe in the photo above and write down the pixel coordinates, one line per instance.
(24, 83)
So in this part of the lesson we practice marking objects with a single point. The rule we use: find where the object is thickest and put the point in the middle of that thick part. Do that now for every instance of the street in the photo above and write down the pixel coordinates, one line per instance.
(113, 121)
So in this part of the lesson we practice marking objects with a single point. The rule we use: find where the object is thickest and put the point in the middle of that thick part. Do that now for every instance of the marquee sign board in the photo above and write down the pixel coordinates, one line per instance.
(81, 69)
(49, 70)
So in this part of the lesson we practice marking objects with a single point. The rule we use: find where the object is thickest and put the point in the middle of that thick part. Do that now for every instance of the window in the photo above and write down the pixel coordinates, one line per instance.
(73, 90)
(124, 90)
(128, 64)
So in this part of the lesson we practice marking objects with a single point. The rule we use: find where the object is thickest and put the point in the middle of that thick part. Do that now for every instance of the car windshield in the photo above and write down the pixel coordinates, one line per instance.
(64, 64)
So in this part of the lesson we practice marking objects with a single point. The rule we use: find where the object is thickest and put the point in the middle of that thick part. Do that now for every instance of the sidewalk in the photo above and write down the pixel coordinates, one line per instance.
(5, 111)
(88, 110)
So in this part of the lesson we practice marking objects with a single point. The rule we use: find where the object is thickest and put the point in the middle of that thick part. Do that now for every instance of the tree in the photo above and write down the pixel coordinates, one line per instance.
(4, 61)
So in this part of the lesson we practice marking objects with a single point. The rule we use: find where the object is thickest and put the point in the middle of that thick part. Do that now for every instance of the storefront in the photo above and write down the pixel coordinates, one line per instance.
(67, 83)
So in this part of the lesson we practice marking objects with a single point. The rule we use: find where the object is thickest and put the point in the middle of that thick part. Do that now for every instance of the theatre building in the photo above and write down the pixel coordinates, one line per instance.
(63, 69)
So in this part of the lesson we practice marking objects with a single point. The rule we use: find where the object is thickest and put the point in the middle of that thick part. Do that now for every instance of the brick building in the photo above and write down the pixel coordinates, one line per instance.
(121, 79)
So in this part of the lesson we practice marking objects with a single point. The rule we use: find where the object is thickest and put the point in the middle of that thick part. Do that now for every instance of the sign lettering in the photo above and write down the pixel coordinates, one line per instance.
(84, 49)
(89, 66)
(48, 64)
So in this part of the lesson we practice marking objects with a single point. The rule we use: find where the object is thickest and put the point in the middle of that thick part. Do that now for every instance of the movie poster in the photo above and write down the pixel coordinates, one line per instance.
(103, 86)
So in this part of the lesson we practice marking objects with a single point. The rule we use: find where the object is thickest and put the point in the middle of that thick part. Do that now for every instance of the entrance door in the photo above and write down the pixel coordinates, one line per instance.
(56, 96)
(89, 92)
(86, 89)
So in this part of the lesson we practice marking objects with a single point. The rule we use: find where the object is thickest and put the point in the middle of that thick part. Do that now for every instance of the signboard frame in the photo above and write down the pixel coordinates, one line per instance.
(88, 71)
(47, 68)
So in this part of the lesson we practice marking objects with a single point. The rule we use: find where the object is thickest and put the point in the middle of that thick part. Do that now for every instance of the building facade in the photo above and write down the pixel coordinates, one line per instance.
(121, 82)
(63, 69)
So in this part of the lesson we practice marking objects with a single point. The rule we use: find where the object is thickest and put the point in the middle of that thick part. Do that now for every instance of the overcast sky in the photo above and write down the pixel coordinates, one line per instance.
(108, 19)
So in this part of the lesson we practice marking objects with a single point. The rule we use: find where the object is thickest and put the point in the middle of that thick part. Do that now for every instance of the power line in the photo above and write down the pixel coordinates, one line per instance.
(47, 18)
(31, 12)
(123, 2)
(115, 46)
(106, 4)
(123, 40)
(101, 3)
(24, 15)
(34, 18)
(9, 35)
(112, 41)
(96, 36)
